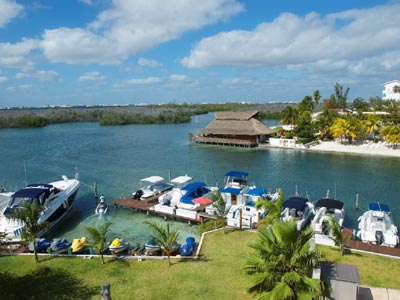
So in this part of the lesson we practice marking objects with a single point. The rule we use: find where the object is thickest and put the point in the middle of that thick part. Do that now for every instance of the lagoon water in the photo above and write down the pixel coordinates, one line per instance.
(117, 157)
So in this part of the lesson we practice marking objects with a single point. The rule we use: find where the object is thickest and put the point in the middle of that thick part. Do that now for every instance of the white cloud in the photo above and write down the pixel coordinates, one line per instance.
(152, 63)
(15, 55)
(125, 29)
(20, 87)
(143, 81)
(87, 2)
(9, 9)
(92, 76)
(350, 41)
(41, 75)
(3, 79)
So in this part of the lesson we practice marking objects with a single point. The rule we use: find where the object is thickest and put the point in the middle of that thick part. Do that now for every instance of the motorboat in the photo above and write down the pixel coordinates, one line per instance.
(60, 245)
(78, 245)
(190, 192)
(5, 199)
(188, 248)
(152, 247)
(376, 226)
(118, 245)
(102, 207)
(298, 209)
(324, 210)
(176, 192)
(41, 245)
(235, 187)
(55, 198)
(151, 186)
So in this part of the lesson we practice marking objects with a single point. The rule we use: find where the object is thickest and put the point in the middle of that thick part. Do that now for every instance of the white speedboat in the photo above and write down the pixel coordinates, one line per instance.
(324, 210)
(376, 226)
(151, 186)
(55, 198)
(298, 209)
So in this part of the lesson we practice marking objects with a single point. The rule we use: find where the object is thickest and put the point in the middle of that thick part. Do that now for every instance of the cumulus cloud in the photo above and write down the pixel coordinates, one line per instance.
(9, 9)
(20, 87)
(348, 40)
(3, 79)
(92, 76)
(143, 81)
(152, 63)
(41, 75)
(125, 29)
(15, 55)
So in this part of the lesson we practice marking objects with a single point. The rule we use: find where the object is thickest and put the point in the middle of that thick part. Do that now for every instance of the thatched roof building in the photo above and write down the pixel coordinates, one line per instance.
(241, 128)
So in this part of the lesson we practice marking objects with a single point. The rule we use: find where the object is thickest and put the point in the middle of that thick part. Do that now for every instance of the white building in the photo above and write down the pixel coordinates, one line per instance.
(388, 93)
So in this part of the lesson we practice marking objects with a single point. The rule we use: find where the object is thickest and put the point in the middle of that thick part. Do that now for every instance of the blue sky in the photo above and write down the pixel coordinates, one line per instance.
(157, 51)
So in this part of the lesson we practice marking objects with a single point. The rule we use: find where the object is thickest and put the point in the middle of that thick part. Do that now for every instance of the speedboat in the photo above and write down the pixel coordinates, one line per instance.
(324, 210)
(102, 207)
(60, 245)
(55, 198)
(376, 226)
(151, 186)
(187, 249)
(298, 209)
(41, 245)
(78, 245)
(118, 245)
(235, 187)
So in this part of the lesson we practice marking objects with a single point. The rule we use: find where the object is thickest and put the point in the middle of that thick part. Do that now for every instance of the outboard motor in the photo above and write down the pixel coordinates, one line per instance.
(138, 194)
(379, 237)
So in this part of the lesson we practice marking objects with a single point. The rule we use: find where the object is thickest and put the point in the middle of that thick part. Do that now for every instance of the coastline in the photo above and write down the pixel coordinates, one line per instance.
(364, 149)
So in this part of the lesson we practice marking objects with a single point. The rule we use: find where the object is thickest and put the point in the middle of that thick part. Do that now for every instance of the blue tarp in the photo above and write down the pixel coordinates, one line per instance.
(193, 186)
(237, 174)
(233, 191)
(193, 190)
(298, 203)
(329, 203)
(378, 207)
(256, 192)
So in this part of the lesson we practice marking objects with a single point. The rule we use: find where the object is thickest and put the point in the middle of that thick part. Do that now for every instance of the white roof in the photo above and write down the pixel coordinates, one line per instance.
(152, 179)
(181, 179)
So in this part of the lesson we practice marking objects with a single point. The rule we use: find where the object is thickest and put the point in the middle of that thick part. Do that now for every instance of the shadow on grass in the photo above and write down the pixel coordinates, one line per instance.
(117, 260)
(47, 285)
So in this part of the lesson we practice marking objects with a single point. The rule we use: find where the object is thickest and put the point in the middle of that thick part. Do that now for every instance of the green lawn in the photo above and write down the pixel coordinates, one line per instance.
(219, 274)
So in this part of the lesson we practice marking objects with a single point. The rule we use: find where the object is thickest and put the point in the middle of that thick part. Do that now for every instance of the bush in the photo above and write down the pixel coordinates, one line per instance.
(211, 225)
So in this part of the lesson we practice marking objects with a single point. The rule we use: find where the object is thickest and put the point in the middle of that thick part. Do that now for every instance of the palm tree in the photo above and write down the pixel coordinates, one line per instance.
(317, 97)
(344, 129)
(337, 234)
(372, 126)
(220, 205)
(29, 215)
(289, 115)
(281, 264)
(272, 209)
(99, 238)
(165, 237)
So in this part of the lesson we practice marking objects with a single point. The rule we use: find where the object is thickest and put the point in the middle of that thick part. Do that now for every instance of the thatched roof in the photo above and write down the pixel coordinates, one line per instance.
(237, 123)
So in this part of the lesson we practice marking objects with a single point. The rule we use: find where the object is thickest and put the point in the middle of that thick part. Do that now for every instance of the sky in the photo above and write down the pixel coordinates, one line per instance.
(102, 52)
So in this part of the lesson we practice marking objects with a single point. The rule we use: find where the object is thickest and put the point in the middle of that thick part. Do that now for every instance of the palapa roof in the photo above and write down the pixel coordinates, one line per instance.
(237, 123)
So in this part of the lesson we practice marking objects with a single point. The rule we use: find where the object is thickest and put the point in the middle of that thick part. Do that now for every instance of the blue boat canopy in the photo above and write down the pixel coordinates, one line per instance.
(193, 186)
(256, 192)
(237, 174)
(329, 203)
(378, 207)
(30, 192)
(298, 203)
(233, 191)
(193, 190)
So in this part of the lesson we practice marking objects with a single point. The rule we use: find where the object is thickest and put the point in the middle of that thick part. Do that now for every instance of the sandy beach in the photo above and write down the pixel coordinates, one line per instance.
(366, 148)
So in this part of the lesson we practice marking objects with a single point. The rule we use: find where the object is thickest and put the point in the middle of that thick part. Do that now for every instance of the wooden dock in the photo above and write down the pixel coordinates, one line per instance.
(147, 205)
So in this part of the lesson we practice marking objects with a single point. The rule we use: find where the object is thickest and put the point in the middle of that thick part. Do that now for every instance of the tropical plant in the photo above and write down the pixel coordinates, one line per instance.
(337, 234)
(220, 205)
(272, 209)
(372, 126)
(391, 134)
(281, 264)
(359, 105)
(29, 214)
(324, 123)
(306, 104)
(166, 237)
(99, 238)
(343, 129)
(341, 96)
(289, 115)
(317, 97)
(305, 128)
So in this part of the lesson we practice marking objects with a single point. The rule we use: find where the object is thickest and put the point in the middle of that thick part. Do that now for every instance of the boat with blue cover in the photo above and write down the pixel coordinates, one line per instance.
(41, 245)
(188, 248)
(60, 245)
(376, 226)
(152, 247)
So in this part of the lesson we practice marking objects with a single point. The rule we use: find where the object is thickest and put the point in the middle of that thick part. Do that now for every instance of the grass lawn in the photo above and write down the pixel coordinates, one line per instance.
(219, 274)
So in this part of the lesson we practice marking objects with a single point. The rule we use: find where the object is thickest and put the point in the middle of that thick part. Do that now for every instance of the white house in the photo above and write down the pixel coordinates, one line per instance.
(389, 92)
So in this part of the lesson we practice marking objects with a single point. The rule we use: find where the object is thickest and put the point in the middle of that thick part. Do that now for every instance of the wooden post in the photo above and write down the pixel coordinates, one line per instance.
(357, 206)
(240, 218)
(105, 291)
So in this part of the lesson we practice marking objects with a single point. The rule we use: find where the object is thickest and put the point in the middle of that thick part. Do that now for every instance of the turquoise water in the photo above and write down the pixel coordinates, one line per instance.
(117, 157)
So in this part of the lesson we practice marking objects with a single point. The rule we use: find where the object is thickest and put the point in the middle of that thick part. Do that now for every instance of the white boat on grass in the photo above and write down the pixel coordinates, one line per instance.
(56, 199)
(298, 209)
(151, 186)
(324, 210)
(376, 226)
